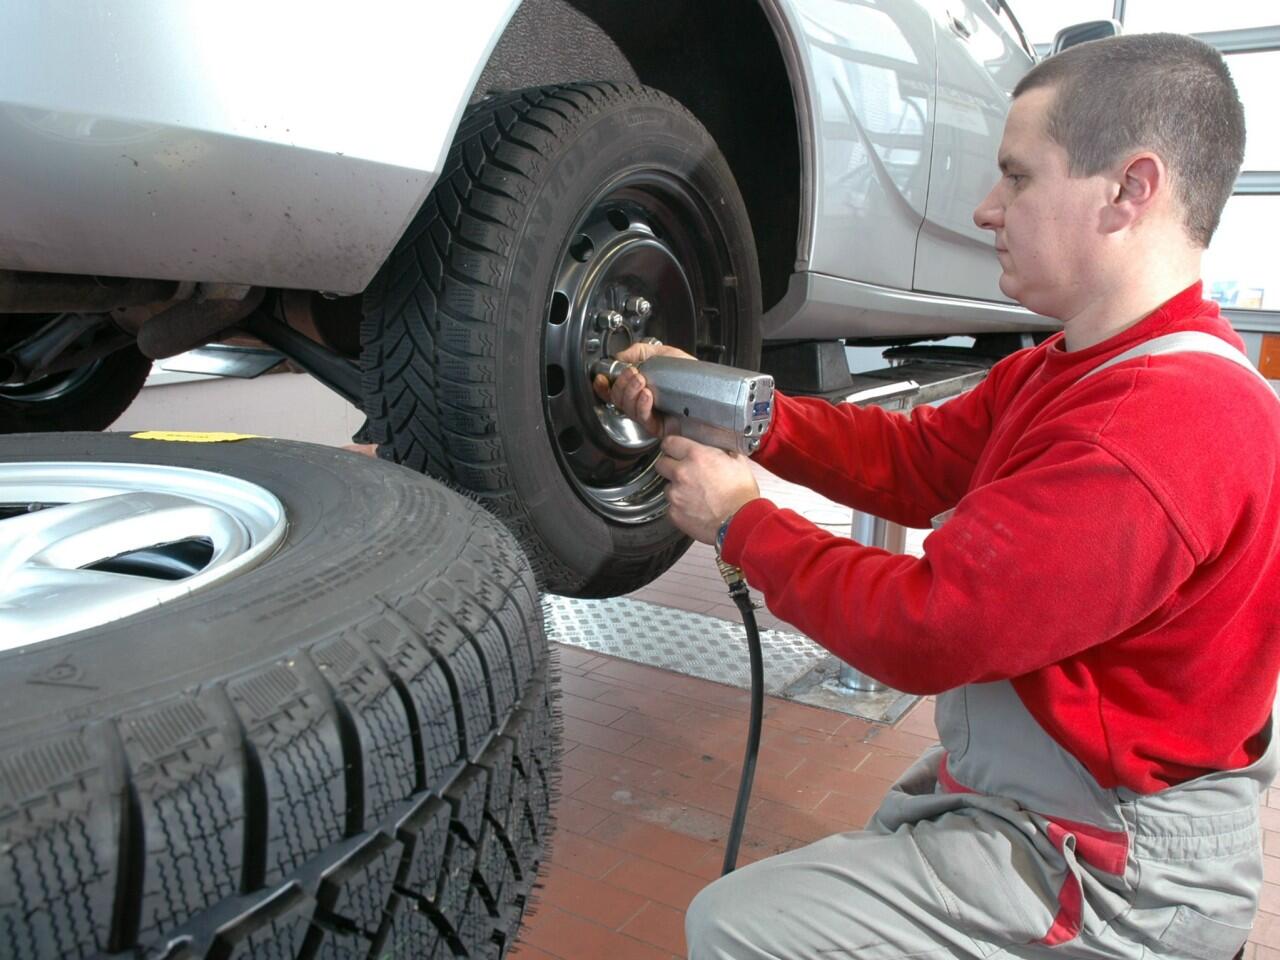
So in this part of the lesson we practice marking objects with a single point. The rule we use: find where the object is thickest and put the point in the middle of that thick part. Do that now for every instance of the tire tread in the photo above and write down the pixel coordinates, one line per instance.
(369, 794)
(432, 315)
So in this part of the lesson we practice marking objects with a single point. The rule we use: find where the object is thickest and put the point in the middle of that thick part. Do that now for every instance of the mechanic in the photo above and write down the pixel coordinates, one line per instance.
(1098, 615)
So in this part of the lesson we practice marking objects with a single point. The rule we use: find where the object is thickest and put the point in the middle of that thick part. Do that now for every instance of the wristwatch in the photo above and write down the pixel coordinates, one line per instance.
(723, 532)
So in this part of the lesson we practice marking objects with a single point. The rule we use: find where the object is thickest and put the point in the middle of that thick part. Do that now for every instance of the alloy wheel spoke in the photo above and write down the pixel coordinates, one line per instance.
(86, 543)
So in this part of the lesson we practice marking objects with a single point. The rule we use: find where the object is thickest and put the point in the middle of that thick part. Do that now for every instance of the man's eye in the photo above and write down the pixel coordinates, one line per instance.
(1016, 178)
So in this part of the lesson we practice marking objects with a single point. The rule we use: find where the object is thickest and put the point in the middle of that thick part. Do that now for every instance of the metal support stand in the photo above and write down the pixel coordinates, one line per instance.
(870, 531)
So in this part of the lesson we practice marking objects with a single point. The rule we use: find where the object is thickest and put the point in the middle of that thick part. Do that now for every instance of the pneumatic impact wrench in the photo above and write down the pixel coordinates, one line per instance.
(731, 409)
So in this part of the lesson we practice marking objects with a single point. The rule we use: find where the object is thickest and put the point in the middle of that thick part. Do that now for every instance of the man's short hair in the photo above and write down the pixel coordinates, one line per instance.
(1164, 92)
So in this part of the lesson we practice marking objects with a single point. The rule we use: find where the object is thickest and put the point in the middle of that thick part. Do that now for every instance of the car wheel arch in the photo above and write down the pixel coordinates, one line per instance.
(767, 135)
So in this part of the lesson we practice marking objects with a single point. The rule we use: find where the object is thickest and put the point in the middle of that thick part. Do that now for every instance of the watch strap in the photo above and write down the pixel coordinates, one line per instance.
(722, 533)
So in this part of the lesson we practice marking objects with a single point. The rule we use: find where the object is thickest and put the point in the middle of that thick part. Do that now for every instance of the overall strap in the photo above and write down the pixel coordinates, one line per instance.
(1186, 341)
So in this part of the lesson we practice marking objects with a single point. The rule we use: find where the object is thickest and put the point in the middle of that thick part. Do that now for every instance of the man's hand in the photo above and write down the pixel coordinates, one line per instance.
(629, 393)
(707, 485)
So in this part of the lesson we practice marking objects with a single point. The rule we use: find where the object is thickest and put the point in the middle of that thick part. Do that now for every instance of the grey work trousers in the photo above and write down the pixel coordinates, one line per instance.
(872, 894)
(850, 895)
(944, 870)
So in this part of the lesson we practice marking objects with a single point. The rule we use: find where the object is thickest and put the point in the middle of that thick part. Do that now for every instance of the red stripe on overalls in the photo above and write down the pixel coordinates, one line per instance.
(1105, 850)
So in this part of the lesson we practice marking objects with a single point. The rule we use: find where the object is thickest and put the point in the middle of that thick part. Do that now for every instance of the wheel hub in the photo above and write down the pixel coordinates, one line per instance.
(619, 282)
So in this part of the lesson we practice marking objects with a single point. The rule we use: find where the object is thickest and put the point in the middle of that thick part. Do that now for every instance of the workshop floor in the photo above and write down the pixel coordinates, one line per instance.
(652, 757)
(651, 768)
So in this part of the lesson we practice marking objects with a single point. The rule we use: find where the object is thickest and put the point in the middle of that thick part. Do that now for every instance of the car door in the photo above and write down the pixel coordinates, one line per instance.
(979, 64)
(872, 69)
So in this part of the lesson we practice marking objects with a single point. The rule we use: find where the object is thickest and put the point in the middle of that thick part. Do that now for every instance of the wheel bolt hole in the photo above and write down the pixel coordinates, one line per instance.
(686, 411)
(618, 219)
(570, 440)
(559, 308)
(555, 379)
(582, 249)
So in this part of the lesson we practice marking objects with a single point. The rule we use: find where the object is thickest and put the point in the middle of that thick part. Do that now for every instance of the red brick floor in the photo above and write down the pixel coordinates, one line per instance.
(650, 773)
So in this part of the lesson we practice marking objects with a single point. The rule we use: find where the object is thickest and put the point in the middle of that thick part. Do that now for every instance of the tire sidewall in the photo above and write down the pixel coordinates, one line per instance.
(359, 530)
(657, 135)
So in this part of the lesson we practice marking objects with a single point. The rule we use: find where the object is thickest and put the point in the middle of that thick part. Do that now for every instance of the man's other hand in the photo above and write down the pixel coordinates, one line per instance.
(707, 485)
(629, 392)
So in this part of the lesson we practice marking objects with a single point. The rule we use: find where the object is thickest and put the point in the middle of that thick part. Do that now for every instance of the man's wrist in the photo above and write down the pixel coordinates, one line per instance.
(723, 532)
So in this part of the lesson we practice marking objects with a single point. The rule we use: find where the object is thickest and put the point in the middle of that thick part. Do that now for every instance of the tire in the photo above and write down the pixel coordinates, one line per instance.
(557, 204)
(91, 397)
(348, 751)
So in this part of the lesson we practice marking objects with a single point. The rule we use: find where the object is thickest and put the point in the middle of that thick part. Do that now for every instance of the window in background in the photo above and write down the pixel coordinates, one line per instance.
(1197, 16)
(1241, 269)
(1256, 75)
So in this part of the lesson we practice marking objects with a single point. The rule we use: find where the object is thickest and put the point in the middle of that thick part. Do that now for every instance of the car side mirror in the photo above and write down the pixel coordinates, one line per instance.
(1084, 32)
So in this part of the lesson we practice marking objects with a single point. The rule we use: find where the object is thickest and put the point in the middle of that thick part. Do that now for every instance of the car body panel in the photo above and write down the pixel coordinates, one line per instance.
(290, 144)
(894, 251)
(979, 64)
(285, 144)
(822, 307)
(871, 73)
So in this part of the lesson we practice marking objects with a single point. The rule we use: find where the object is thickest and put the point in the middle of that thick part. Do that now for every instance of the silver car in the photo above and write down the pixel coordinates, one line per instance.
(448, 212)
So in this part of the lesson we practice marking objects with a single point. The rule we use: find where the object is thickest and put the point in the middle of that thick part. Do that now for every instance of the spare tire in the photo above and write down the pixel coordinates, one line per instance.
(341, 744)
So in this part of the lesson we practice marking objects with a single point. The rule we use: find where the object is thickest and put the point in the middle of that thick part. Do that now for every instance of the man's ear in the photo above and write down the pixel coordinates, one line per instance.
(1142, 182)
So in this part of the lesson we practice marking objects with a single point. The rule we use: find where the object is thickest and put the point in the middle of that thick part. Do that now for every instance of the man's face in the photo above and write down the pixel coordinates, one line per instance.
(1046, 223)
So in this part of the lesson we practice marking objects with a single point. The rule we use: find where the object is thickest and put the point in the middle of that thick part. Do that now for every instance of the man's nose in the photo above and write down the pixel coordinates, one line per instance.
(989, 214)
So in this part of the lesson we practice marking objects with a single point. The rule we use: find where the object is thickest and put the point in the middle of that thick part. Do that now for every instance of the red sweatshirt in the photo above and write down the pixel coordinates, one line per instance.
(1114, 552)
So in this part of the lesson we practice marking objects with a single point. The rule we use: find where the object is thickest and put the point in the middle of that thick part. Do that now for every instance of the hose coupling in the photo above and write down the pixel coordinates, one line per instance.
(731, 575)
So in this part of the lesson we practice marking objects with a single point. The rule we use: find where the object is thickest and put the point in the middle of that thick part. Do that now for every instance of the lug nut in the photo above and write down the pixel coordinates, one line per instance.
(640, 307)
(610, 320)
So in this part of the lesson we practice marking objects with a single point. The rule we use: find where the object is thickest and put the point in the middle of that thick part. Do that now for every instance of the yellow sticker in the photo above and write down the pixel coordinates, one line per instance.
(179, 436)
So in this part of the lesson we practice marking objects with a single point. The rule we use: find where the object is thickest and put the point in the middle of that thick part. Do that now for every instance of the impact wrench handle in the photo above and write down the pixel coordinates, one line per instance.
(713, 404)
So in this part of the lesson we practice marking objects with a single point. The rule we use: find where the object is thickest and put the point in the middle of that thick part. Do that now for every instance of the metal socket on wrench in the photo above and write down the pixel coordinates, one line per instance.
(720, 406)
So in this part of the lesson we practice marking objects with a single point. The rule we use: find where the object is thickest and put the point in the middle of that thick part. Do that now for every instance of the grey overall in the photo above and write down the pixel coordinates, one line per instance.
(999, 842)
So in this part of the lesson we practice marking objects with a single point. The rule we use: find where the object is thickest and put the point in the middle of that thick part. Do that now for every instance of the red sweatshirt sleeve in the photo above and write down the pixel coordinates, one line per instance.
(903, 468)
(1010, 584)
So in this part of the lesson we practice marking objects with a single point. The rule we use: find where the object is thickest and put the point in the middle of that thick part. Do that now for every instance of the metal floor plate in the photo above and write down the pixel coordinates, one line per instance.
(701, 646)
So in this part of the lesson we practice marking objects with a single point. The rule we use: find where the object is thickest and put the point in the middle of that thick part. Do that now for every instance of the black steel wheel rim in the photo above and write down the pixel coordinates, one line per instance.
(50, 388)
(647, 258)
(56, 385)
